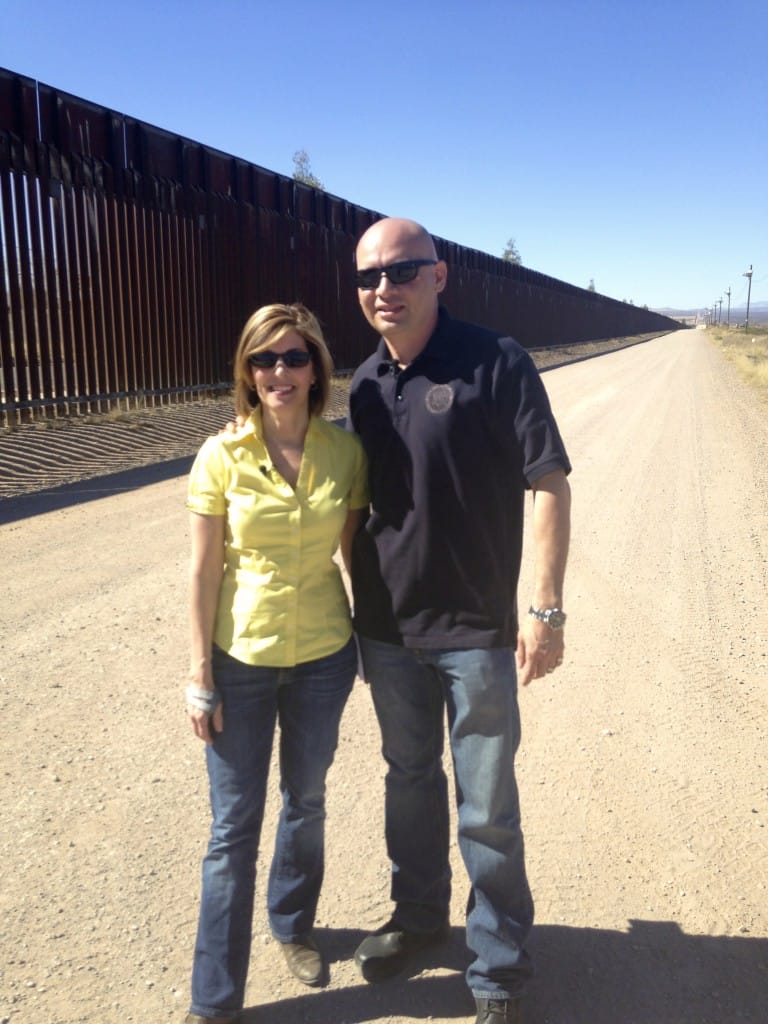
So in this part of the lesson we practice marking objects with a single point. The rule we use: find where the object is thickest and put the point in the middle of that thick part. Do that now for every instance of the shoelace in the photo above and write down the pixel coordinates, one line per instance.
(496, 1006)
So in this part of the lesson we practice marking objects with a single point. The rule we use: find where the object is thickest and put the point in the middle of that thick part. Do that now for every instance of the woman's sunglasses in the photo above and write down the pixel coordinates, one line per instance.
(397, 273)
(294, 358)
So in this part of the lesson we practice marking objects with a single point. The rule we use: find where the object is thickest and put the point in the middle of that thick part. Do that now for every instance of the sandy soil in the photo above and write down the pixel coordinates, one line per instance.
(642, 769)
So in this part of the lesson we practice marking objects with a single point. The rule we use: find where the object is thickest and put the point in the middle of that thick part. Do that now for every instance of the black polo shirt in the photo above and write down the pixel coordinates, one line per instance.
(453, 440)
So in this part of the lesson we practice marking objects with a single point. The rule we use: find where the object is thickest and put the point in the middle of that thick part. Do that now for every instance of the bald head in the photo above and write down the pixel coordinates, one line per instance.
(399, 232)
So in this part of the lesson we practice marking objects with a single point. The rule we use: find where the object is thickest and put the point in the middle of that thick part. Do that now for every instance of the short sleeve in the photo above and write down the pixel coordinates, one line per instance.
(207, 481)
(526, 415)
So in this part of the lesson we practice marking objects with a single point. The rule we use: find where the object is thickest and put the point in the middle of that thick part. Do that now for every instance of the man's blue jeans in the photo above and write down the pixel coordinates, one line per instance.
(308, 701)
(478, 688)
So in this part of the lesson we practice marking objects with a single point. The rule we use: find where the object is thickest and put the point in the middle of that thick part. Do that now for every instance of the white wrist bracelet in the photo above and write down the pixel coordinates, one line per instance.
(202, 699)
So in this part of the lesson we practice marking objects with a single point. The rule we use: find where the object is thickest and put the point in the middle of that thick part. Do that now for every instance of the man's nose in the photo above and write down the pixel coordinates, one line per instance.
(384, 285)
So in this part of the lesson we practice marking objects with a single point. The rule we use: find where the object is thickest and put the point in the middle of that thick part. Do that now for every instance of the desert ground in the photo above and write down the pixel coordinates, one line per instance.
(643, 767)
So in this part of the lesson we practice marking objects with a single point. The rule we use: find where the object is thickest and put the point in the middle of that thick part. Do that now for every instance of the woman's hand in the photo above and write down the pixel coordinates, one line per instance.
(204, 707)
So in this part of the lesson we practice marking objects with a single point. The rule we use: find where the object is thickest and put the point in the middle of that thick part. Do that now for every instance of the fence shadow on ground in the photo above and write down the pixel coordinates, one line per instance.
(52, 499)
(652, 974)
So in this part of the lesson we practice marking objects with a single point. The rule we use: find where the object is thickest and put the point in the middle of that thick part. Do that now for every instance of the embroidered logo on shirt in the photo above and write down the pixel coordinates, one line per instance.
(439, 398)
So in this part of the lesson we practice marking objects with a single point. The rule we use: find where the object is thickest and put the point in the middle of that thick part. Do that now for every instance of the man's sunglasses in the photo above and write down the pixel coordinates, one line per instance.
(397, 273)
(294, 358)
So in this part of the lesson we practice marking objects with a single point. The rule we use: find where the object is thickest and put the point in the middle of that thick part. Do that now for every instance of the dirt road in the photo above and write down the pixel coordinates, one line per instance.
(642, 771)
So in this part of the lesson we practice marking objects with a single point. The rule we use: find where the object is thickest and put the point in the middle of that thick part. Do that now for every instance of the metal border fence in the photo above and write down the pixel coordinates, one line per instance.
(131, 257)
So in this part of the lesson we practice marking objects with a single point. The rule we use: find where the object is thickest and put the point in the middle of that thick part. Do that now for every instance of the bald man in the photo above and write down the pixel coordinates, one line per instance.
(457, 426)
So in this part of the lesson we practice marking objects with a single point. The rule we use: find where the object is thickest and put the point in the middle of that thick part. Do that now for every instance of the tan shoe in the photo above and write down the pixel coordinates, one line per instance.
(304, 961)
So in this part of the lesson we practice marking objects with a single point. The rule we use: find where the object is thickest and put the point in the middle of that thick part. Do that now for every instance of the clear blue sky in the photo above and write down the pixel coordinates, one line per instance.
(625, 142)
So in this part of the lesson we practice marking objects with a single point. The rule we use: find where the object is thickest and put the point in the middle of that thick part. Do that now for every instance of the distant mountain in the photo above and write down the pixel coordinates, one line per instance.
(758, 313)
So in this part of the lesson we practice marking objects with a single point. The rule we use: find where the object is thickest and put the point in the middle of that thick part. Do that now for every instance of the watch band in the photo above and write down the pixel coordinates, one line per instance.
(552, 617)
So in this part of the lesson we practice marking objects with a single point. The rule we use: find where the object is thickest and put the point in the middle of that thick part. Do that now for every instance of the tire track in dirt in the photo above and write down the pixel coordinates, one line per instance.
(663, 520)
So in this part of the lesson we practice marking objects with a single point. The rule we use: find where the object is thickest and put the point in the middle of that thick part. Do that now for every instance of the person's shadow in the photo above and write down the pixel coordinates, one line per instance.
(652, 974)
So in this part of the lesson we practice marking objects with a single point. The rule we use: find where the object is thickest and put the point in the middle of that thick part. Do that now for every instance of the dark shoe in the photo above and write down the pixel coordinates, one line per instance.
(192, 1018)
(304, 961)
(499, 1011)
(386, 952)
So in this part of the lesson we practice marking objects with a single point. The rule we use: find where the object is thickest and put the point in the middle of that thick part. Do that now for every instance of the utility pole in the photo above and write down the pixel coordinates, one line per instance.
(748, 275)
(728, 293)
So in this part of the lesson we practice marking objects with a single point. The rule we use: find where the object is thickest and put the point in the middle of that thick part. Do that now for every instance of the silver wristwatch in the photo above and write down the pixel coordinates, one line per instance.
(553, 617)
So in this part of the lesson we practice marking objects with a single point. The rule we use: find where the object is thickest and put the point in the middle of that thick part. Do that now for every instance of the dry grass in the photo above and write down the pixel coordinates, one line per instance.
(748, 351)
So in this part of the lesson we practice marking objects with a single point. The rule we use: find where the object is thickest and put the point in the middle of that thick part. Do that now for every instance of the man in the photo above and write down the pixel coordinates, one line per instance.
(456, 425)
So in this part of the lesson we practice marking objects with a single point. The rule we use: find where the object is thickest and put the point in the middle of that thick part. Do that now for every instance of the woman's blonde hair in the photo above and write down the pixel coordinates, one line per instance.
(267, 326)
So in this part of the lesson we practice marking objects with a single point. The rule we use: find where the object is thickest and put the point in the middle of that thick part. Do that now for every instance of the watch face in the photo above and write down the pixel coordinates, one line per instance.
(556, 619)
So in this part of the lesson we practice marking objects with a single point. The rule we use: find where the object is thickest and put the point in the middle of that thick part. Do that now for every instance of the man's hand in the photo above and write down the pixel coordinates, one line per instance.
(232, 427)
(540, 650)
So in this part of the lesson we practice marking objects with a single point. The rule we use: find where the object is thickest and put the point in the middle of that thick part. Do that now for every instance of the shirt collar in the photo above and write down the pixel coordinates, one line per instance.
(254, 426)
(438, 347)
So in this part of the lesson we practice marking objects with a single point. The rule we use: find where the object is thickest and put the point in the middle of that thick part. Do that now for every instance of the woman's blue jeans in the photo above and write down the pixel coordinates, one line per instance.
(307, 701)
(412, 689)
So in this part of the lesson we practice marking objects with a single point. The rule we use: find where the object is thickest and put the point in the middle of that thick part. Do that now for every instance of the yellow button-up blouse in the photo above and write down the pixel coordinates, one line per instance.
(282, 599)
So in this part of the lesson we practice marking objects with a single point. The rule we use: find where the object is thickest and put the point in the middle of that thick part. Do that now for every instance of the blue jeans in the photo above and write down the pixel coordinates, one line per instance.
(308, 701)
(478, 688)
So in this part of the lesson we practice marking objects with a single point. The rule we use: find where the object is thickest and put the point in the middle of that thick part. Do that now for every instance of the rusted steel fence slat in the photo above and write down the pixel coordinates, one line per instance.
(131, 257)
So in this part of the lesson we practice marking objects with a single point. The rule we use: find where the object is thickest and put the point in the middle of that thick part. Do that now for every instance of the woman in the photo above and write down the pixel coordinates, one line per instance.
(271, 641)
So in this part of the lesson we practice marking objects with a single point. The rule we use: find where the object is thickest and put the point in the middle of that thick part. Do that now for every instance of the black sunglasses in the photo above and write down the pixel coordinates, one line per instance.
(397, 273)
(294, 358)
